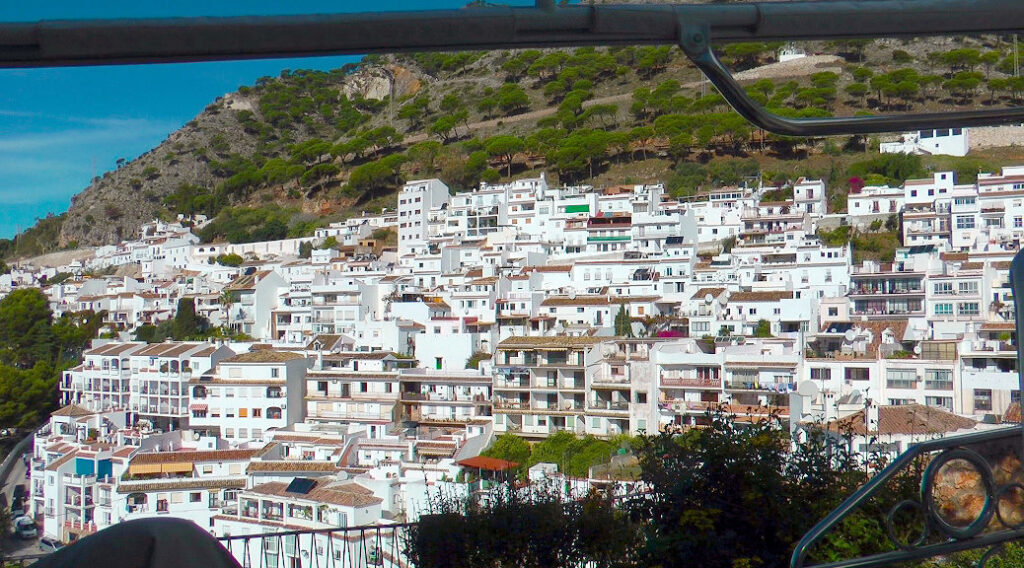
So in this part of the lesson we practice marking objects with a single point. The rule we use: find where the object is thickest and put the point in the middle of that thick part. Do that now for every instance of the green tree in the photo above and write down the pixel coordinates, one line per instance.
(509, 447)
(505, 147)
(512, 99)
(26, 332)
(444, 127)
(763, 329)
(707, 481)
(305, 249)
(424, 154)
(230, 259)
(188, 325)
(450, 103)
(623, 322)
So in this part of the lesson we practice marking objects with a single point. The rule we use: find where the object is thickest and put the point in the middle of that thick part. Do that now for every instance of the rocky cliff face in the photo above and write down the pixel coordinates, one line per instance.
(116, 204)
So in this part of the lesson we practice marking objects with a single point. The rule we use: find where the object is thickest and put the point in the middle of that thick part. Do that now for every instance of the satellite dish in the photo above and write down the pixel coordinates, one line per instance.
(572, 293)
(849, 335)
(708, 298)
(807, 389)
(917, 349)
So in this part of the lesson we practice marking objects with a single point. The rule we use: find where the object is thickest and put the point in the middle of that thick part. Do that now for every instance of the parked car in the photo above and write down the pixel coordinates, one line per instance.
(50, 544)
(25, 528)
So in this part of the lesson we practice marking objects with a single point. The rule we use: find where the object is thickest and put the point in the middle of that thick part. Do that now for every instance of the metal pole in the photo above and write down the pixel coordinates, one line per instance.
(1017, 286)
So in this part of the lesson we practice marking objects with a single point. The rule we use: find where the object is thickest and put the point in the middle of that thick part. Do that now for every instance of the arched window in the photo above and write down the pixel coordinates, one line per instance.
(274, 412)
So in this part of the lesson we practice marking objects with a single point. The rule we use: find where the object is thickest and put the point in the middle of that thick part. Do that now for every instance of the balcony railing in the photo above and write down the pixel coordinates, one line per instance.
(694, 382)
(353, 547)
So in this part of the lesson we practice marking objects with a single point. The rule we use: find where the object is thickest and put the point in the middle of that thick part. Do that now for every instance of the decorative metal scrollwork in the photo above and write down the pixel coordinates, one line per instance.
(971, 497)
(994, 507)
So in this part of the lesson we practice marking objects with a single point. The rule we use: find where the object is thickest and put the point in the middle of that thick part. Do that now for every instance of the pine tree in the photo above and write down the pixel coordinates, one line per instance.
(623, 323)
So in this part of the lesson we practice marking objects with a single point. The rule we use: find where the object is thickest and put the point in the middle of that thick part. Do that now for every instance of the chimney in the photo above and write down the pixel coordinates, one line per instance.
(828, 406)
(871, 415)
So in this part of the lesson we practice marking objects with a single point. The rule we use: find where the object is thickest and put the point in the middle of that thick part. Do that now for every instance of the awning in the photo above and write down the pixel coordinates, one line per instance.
(176, 467)
(143, 468)
(198, 406)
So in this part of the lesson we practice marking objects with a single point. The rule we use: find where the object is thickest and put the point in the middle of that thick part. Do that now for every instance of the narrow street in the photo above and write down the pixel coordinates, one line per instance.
(14, 547)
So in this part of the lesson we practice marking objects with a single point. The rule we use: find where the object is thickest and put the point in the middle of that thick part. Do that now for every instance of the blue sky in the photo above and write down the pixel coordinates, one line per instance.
(61, 126)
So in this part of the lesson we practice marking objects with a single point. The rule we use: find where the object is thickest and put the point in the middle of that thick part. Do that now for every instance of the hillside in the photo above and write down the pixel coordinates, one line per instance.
(294, 152)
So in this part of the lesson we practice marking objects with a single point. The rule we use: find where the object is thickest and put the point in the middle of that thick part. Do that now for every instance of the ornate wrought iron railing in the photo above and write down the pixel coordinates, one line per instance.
(971, 493)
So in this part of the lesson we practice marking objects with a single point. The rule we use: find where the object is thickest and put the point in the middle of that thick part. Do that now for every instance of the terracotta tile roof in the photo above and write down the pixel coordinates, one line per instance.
(595, 300)
(703, 292)
(904, 419)
(291, 465)
(760, 296)
(312, 438)
(193, 456)
(113, 348)
(954, 256)
(61, 461)
(182, 484)
(1012, 413)
(324, 491)
(998, 326)
(553, 268)
(247, 281)
(550, 341)
(73, 410)
(264, 356)
(489, 464)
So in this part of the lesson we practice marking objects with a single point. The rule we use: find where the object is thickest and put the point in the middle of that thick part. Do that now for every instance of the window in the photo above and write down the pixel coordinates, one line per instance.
(965, 222)
(941, 351)
(940, 401)
(1018, 222)
(274, 372)
(943, 288)
(195, 497)
(858, 373)
(257, 412)
(938, 379)
(821, 374)
(982, 399)
(970, 287)
(833, 311)
(229, 432)
(944, 309)
(901, 378)
(968, 308)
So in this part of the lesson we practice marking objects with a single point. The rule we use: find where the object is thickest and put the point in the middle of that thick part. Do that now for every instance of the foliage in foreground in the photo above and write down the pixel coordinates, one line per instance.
(735, 494)
(574, 456)
(34, 350)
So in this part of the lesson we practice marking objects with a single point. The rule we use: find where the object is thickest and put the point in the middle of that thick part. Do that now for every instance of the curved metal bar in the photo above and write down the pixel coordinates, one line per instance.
(155, 40)
(695, 41)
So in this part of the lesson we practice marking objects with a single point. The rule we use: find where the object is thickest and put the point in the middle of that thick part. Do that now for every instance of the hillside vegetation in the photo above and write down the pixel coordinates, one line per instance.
(291, 153)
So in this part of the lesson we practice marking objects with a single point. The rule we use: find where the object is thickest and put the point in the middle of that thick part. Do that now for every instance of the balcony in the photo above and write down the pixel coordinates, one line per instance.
(610, 379)
(691, 382)
(762, 387)
(618, 406)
